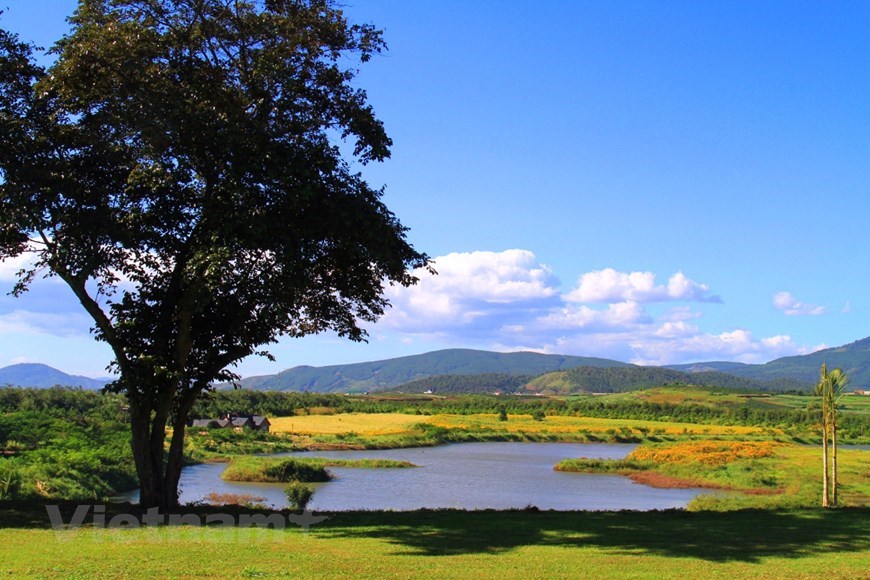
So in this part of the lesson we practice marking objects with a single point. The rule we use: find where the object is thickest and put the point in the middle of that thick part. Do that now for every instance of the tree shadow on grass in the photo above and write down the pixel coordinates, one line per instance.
(739, 536)
(743, 536)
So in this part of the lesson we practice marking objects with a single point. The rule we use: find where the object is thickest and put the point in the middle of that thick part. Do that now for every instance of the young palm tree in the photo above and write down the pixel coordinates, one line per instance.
(822, 388)
(837, 382)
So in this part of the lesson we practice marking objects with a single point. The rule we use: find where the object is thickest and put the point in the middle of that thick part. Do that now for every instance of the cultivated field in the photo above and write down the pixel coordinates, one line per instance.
(375, 424)
(363, 424)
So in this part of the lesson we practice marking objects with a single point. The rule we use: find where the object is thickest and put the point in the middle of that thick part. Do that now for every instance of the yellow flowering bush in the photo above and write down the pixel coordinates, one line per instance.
(705, 452)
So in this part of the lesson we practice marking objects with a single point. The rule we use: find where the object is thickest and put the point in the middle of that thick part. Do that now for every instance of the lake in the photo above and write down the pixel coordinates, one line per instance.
(465, 475)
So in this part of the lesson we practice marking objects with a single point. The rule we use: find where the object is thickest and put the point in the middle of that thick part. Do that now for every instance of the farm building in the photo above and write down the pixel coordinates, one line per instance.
(234, 421)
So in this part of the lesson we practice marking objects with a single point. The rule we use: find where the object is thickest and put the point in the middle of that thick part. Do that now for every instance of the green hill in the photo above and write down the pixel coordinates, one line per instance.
(624, 379)
(384, 374)
(853, 358)
(43, 376)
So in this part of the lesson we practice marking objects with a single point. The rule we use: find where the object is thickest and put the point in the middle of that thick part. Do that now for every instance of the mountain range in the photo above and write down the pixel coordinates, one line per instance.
(483, 371)
(385, 374)
(795, 372)
(44, 376)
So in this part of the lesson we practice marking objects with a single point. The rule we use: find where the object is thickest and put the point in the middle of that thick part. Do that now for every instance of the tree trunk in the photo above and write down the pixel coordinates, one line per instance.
(174, 462)
(175, 457)
(834, 460)
(825, 482)
(159, 471)
(148, 427)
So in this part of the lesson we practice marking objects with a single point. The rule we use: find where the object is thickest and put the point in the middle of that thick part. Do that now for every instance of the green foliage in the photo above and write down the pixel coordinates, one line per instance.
(218, 443)
(298, 495)
(10, 479)
(65, 444)
(355, 463)
(274, 470)
(266, 403)
(583, 465)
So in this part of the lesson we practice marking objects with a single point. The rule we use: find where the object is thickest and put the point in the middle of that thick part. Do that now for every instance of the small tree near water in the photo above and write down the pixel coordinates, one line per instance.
(299, 495)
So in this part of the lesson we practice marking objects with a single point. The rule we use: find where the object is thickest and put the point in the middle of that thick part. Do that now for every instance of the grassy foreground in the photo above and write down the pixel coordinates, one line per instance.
(454, 544)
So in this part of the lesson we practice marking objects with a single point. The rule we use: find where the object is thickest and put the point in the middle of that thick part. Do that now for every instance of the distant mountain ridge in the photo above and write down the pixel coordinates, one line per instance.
(486, 371)
(853, 358)
(797, 372)
(43, 376)
(385, 374)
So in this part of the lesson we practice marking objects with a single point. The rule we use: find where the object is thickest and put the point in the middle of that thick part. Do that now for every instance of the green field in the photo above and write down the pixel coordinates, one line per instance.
(452, 544)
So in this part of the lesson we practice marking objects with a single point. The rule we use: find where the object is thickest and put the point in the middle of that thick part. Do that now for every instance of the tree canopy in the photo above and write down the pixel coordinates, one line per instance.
(180, 167)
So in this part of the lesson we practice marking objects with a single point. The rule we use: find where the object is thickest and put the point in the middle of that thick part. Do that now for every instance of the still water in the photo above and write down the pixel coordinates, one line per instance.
(466, 475)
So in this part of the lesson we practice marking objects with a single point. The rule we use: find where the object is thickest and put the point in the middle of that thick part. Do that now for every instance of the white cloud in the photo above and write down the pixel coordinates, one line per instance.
(508, 301)
(674, 330)
(608, 285)
(10, 267)
(847, 308)
(620, 315)
(671, 343)
(499, 277)
(471, 287)
(791, 306)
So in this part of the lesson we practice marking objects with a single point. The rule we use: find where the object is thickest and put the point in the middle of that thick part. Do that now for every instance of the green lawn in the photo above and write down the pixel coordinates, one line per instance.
(452, 544)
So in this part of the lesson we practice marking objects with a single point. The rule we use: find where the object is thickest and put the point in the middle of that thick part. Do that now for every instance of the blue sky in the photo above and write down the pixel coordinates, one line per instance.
(656, 182)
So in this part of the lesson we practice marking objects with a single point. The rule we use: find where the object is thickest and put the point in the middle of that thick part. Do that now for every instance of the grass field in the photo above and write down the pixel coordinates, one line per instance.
(449, 544)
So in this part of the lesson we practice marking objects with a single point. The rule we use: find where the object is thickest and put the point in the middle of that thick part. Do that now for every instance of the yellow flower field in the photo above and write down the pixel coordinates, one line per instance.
(706, 452)
(360, 423)
(562, 424)
(398, 423)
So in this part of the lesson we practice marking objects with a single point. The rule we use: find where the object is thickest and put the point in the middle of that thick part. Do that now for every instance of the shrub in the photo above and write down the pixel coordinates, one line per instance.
(9, 479)
(296, 471)
(298, 495)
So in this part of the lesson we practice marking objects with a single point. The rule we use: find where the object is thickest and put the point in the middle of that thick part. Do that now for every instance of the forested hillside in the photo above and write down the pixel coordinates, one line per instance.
(384, 374)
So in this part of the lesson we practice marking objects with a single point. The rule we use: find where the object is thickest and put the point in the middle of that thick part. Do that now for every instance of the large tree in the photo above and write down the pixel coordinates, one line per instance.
(182, 167)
